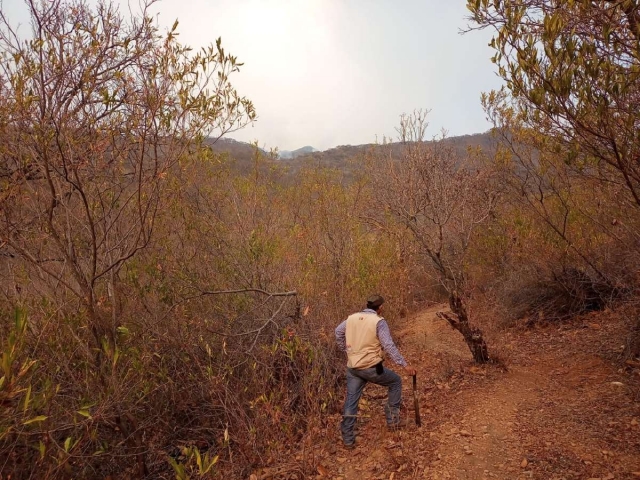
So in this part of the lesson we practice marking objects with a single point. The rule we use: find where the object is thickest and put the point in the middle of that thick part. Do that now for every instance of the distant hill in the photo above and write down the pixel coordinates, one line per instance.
(344, 157)
(241, 151)
(287, 154)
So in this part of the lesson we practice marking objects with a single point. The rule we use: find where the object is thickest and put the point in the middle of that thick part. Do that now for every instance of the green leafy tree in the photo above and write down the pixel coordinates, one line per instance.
(572, 69)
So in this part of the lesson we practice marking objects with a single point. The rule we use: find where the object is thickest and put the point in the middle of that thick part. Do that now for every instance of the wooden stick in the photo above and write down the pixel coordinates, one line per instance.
(416, 404)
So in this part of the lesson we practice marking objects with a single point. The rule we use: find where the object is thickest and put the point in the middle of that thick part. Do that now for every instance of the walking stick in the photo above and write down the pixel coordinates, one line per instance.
(416, 405)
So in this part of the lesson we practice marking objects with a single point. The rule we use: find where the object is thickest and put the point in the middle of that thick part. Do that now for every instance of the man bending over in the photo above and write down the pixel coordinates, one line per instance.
(363, 336)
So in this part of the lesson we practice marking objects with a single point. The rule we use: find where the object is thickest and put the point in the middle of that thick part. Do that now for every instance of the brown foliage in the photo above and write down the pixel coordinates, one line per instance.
(440, 198)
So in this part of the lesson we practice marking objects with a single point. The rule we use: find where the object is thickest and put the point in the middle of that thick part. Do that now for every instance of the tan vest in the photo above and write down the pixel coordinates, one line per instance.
(363, 347)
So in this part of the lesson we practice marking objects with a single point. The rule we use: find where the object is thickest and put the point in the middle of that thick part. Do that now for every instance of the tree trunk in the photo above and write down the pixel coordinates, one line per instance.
(472, 335)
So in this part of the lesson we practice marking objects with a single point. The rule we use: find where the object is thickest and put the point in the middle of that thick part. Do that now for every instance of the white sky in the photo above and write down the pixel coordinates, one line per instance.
(337, 72)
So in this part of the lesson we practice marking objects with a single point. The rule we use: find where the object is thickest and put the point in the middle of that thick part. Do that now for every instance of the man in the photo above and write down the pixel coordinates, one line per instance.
(363, 336)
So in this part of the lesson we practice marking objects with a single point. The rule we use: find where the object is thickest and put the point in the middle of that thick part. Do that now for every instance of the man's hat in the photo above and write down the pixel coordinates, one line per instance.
(375, 301)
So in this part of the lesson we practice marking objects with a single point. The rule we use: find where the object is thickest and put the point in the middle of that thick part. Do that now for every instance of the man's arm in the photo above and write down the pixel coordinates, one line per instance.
(341, 336)
(384, 335)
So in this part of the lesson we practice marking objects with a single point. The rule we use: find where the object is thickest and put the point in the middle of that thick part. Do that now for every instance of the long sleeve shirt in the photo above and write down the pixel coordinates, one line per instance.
(384, 336)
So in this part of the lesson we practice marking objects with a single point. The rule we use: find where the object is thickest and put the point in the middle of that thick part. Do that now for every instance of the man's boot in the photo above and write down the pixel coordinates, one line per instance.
(393, 418)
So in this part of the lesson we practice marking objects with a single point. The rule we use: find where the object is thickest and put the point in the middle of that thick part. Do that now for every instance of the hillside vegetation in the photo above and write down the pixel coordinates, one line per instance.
(168, 298)
(346, 158)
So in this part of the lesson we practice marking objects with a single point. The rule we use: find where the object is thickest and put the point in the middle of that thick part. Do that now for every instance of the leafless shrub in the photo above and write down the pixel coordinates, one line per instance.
(441, 199)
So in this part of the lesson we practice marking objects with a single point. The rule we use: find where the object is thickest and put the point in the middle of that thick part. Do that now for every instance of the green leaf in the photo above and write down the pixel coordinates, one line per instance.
(27, 398)
(198, 459)
(85, 413)
(178, 469)
(67, 444)
(39, 418)
(21, 320)
(122, 330)
(209, 464)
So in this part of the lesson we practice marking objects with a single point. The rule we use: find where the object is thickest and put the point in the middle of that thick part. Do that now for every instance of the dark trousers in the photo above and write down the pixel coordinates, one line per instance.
(356, 380)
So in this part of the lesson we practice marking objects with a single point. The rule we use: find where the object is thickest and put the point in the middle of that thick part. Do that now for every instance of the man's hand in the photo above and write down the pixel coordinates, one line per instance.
(409, 370)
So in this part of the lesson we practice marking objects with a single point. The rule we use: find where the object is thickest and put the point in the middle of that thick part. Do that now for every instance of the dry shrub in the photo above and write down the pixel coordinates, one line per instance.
(536, 271)
(560, 296)
(165, 388)
(195, 371)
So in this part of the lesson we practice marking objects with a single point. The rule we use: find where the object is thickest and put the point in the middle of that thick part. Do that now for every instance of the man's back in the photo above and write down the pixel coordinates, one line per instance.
(363, 347)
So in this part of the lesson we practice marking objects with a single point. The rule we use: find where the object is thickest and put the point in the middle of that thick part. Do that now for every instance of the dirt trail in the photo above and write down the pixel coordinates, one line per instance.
(564, 410)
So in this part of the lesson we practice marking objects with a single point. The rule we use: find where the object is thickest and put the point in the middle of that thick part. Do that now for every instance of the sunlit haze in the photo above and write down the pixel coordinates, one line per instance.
(336, 72)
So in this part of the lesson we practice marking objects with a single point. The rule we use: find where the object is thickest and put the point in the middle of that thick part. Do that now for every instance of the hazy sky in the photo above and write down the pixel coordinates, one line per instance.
(336, 72)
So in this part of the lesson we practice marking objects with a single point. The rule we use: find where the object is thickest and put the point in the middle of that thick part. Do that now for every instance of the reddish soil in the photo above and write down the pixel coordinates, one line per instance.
(567, 407)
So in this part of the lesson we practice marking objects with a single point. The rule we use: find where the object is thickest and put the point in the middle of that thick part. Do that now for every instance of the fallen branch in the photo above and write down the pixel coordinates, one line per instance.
(293, 293)
(205, 293)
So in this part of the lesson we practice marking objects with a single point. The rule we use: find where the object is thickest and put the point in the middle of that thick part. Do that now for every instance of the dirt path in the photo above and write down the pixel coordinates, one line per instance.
(564, 410)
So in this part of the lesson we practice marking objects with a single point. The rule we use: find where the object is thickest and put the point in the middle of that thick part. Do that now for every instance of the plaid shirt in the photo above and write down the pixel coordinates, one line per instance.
(384, 336)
